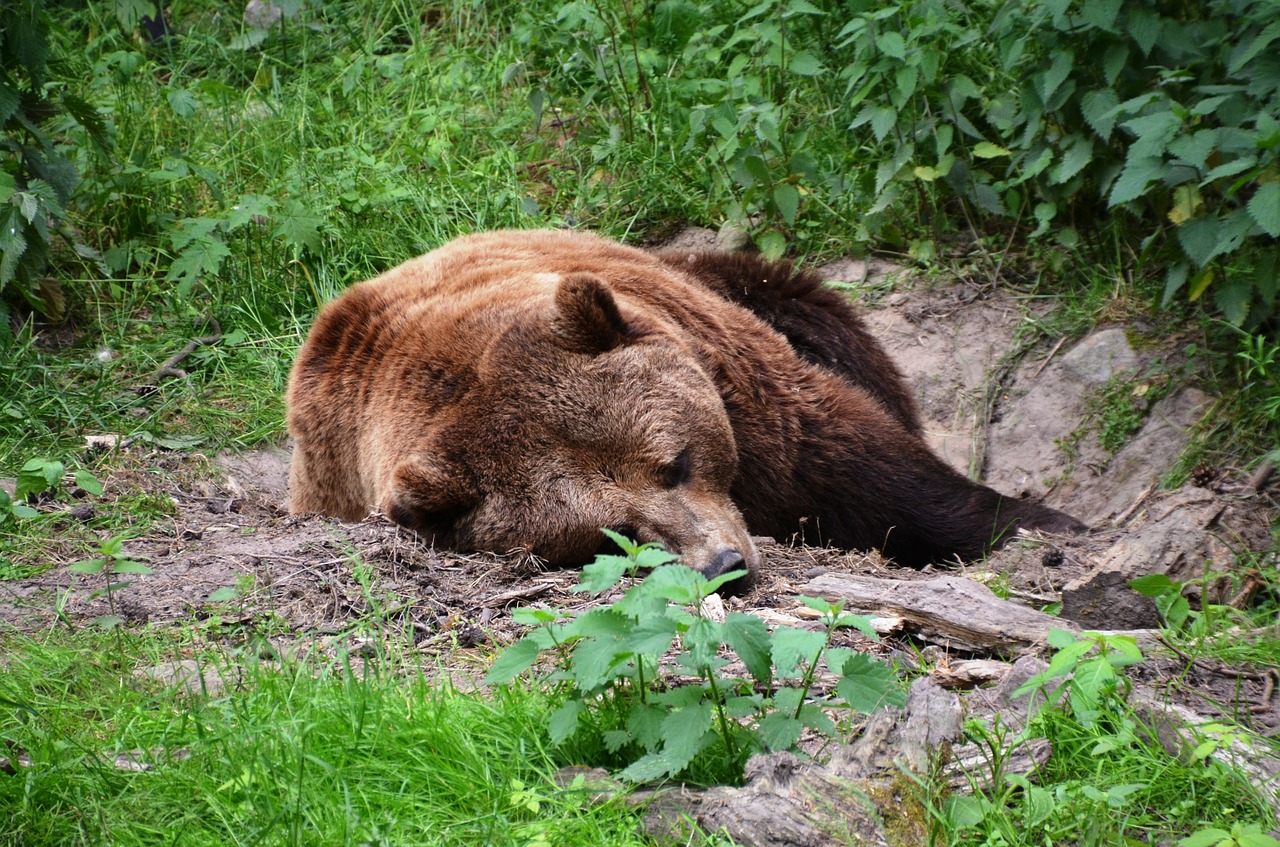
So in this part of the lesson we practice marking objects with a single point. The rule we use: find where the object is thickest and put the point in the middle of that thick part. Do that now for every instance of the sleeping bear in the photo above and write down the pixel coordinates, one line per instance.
(520, 390)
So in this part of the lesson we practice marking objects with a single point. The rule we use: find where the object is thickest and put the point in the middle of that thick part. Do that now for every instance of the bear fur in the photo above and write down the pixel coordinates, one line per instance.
(520, 390)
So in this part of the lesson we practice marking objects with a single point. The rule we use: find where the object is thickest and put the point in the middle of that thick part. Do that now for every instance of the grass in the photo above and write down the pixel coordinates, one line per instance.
(346, 141)
(307, 752)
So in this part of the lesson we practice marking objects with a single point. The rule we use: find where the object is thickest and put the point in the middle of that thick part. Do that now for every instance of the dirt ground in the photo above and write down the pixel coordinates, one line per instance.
(997, 405)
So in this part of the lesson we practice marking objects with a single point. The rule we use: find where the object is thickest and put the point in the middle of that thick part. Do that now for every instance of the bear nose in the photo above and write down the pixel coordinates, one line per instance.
(725, 561)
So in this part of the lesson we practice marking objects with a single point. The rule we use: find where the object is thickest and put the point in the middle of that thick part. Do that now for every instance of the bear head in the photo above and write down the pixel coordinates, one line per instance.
(579, 415)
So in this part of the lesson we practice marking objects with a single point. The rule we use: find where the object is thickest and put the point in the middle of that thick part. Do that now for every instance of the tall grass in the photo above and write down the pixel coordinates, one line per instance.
(308, 752)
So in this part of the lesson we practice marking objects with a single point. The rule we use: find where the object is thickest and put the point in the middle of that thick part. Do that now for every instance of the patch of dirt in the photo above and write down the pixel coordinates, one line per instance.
(233, 559)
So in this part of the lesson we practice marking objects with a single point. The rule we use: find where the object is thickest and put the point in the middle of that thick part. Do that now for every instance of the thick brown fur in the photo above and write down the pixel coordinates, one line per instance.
(523, 389)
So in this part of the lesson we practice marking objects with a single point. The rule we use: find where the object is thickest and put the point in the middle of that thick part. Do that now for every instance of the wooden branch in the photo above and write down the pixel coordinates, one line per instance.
(946, 609)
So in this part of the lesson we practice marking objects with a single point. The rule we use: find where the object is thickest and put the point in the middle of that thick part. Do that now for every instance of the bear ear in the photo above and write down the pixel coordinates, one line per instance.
(427, 498)
(587, 317)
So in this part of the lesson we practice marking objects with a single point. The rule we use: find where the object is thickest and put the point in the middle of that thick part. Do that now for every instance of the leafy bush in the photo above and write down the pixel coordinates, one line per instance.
(37, 179)
(1164, 114)
(608, 664)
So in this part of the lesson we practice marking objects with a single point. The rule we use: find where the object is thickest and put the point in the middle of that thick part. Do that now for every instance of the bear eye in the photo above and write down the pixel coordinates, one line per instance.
(677, 472)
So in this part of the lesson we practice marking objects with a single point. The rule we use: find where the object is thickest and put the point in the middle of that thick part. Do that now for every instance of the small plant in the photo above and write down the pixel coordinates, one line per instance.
(111, 562)
(38, 477)
(609, 663)
(1240, 835)
(1089, 665)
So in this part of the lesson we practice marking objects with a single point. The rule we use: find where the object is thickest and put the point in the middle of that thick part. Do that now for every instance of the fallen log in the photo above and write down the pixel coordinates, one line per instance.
(947, 609)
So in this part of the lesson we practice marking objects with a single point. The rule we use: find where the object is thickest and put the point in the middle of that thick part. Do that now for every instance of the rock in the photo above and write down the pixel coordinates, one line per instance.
(693, 238)
(262, 15)
(844, 270)
(194, 678)
(733, 238)
(1095, 497)
(1051, 409)
(949, 350)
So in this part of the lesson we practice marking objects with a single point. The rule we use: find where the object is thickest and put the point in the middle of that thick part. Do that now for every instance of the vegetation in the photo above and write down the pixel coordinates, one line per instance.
(609, 669)
(155, 180)
(299, 752)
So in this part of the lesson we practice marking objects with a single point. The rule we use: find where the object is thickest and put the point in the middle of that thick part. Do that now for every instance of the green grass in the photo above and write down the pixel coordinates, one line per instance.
(311, 752)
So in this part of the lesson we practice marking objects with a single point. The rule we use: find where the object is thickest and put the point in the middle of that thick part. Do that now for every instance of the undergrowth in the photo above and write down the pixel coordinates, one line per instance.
(302, 751)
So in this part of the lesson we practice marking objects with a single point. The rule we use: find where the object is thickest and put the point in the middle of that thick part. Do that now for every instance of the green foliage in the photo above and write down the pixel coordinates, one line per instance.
(1065, 111)
(39, 478)
(37, 178)
(289, 752)
(609, 665)
(1107, 767)
(112, 561)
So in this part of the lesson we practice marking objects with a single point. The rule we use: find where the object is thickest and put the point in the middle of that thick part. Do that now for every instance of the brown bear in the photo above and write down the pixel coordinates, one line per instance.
(520, 390)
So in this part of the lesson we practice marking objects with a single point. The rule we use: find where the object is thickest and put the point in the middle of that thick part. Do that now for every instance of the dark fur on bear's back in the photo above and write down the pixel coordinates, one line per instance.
(820, 323)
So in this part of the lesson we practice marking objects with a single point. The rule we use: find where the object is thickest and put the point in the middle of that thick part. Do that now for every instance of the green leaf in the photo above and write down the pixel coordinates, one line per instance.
(1234, 299)
(772, 244)
(1057, 73)
(1097, 108)
(1144, 28)
(603, 573)
(88, 117)
(88, 482)
(1173, 282)
(779, 731)
(1138, 173)
(675, 583)
(1074, 160)
(37, 476)
(1199, 239)
(1101, 13)
(89, 566)
(650, 767)
(791, 645)
(9, 102)
(892, 44)
(1206, 838)
(787, 199)
(515, 660)
(21, 510)
(223, 594)
(183, 103)
(1153, 133)
(883, 120)
(867, 684)
(987, 150)
(1264, 208)
(130, 12)
(1152, 585)
(202, 257)
(1200, 283)
(965, 811)
(749, 638)
(1252, 836)
(1246, 54)
(130, 566)
(248, 207)
(300, 226)
(805, 63)
(563, 722)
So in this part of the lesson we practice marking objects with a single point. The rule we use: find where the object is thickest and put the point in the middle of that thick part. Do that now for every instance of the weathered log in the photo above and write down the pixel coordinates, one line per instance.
(948, 609)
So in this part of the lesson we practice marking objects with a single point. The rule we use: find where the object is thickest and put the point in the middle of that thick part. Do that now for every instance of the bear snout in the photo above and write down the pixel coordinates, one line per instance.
(725, 561)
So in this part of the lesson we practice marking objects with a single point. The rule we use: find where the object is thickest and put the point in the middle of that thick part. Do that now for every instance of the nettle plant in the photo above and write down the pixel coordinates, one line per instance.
(1067, 110)
(614, 666)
